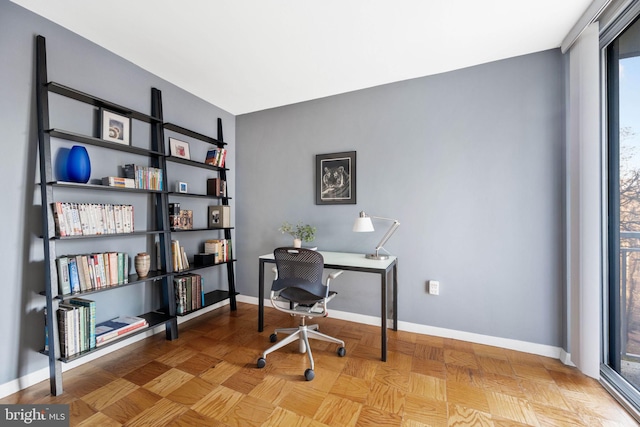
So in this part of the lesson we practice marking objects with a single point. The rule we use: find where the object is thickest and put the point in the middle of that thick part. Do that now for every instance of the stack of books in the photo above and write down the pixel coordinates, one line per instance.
(216, 157)
(220, 248)
(189, 294)
(118, 328)
(117, 181)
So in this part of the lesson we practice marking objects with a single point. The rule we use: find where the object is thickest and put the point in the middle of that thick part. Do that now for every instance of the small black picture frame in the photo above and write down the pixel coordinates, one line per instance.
(115, 127)
(336, 178)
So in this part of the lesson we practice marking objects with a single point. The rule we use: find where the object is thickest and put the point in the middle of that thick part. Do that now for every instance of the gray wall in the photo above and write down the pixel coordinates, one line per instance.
(74, 62)
(470, 162)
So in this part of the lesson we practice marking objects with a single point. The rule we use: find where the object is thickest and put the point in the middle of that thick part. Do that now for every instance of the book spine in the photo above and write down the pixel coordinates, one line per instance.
(114, 266)
(125, 260)
(59, 219)
(90, 319)
(64, 283)
(201, 292)
(74, 276)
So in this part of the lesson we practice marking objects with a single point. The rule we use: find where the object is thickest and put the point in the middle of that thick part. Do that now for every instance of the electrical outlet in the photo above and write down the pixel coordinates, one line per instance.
(434, 287)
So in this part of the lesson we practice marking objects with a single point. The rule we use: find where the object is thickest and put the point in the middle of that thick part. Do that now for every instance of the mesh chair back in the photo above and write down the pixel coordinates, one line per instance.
(299, 268)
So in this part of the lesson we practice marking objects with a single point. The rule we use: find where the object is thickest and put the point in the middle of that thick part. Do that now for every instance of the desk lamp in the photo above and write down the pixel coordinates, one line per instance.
(363, 224)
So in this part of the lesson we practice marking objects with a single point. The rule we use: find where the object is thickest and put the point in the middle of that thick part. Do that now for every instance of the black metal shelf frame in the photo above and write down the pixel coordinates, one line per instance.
(157, 158)
(48, 183)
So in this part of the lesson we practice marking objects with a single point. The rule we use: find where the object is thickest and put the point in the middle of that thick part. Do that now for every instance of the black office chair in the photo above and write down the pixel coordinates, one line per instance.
(299, 291)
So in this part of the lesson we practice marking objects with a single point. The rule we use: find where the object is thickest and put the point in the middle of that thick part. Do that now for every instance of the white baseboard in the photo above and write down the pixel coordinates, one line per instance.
(566, 358)
(527, 347)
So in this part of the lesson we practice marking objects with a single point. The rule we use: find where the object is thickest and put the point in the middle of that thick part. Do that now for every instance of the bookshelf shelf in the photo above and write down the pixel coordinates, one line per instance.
(191, 230)
(68, 92)
(204, 196)
(211, 298)
(134, 279)
(91, 187)
(192, 134)
(202, 267)
(102, 236)
(194, 164)
(153, 319)
(71, 136)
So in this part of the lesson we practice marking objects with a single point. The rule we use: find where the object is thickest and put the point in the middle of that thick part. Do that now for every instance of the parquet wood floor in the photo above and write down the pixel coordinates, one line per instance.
(208, 377)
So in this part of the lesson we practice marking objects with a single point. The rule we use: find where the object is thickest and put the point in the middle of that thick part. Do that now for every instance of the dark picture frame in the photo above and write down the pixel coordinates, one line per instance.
(336, 178)
(115, 127)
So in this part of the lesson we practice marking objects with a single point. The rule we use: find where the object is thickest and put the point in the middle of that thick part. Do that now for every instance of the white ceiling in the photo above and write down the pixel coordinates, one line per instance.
(250, 55)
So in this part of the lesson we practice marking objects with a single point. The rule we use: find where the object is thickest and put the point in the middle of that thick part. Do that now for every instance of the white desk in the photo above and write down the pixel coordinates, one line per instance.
(349, 262)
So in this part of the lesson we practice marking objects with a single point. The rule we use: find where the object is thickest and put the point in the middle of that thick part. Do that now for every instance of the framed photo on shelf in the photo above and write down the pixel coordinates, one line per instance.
(179, 148)
(115, 127)
(336, 178)
(182, 187)
(218, 216)
(186, 219)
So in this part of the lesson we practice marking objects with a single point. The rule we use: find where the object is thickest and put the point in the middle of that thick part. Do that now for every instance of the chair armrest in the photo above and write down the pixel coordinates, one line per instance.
(332, 276)
(335, 274)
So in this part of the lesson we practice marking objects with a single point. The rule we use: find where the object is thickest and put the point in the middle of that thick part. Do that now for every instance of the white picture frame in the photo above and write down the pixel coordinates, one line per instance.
(182, 187)
(115, 127)
(179, 149)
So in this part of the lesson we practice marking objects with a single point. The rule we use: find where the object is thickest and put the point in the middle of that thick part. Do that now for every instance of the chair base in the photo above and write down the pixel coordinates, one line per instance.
(302, 333)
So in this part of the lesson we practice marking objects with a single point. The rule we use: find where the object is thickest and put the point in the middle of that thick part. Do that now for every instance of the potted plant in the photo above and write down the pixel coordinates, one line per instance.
(300, 232)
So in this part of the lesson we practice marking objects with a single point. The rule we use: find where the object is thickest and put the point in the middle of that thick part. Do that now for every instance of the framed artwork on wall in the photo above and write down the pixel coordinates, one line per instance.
(179, 149)
(336, 178)
(115, 127)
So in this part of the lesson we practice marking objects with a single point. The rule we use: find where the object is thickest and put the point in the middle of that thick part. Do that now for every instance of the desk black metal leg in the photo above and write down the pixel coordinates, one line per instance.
(383, 331)
(261, 297)
(395, 296)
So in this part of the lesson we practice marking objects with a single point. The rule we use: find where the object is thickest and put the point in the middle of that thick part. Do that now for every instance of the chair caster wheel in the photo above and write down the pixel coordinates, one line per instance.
(309, 374)
(342, 351)
(273, 338)
(262, 362)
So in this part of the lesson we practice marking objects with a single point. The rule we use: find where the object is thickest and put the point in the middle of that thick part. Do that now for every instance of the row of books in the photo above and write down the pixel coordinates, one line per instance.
(82, 273)
(79, 332)
(216, 157)
(90, 219)
(178, 256)
(189, 294)
(145, 177)
(76, 326)
(220, 248)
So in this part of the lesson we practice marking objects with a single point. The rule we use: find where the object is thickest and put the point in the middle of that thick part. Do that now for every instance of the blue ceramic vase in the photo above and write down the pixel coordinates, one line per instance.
(78, 164)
